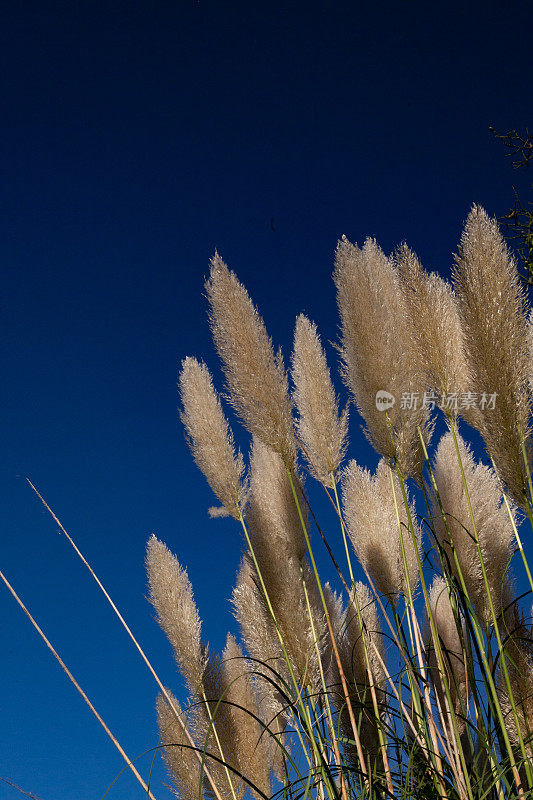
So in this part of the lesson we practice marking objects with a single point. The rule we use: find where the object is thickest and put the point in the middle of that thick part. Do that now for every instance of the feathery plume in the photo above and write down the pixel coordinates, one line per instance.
(216, 724)
(182, 762)
(209, 437)
(493, 526)
(172, 597)
(437, 334)
(350, 635)
(452, 654)
(530, 351)
(492, 306)
(272, 512)
(519, 661)
(257, 629)
(371, 515)
(353, 636)
(252, 744)
(279, 546)
(377, 354)
(321, 429)
(262, 643)
(255, 376)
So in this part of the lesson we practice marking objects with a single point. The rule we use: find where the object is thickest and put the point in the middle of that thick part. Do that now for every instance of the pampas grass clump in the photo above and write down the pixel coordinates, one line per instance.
(411, 675)
(412, 680)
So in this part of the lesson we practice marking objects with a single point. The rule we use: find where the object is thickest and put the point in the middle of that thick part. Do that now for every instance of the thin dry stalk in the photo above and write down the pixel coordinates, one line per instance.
(126, 627)
(78, 688)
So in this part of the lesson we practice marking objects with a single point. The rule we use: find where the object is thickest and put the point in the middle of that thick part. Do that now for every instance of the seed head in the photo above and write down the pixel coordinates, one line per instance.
(172, 597)
(210, 438)
(256, 378)
(453, 655)
(437, 335)
(492, 306)
(377, 353)
(493, 527)
(378, 525)
(321, 429)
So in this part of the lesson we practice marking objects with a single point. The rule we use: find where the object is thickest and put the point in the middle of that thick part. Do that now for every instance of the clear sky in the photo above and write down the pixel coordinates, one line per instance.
(137, 137)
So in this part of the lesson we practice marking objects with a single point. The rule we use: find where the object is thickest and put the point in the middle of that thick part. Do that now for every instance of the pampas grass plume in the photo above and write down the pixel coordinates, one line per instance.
(519, 661)
(371, 510)
(493, 525)
(377, 353)
(492, 306)
(279, 546)
(437, 334)
(262, 644)
(452, 652)
(255, 376)
(210, 438)
(170, 593)
(321, 429)
(355, 634)
(182, 762)
(252, 745)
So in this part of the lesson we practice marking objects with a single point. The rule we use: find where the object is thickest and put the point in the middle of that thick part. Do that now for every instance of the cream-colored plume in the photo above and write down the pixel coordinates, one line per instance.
(322, 430)
(279, 547)
(273, 510)
(493, 526)
(346, 625)
(436, 331)
(211, 723)
(530, 351)
(378, 523)
(519, 661)
(210, 437)
(216, 711)
(257, 629)
(492, 306)
(252, 744)
(182, 762)
(255, 376)
(453, 657)
(377, 353)
(353, 635)
(172, 597)
(263, 646)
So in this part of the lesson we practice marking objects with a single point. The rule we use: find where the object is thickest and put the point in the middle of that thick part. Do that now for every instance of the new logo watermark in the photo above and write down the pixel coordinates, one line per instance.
(384, 400)
(453, 401)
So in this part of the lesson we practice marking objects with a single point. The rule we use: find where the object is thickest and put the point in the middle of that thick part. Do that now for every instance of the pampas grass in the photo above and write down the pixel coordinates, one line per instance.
(322, 430)
(377, 353)
(410, 673)
(210, 438)
(493, 311)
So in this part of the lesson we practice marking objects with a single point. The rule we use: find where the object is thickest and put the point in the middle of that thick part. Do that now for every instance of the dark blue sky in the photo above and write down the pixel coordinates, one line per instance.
(136, 138)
